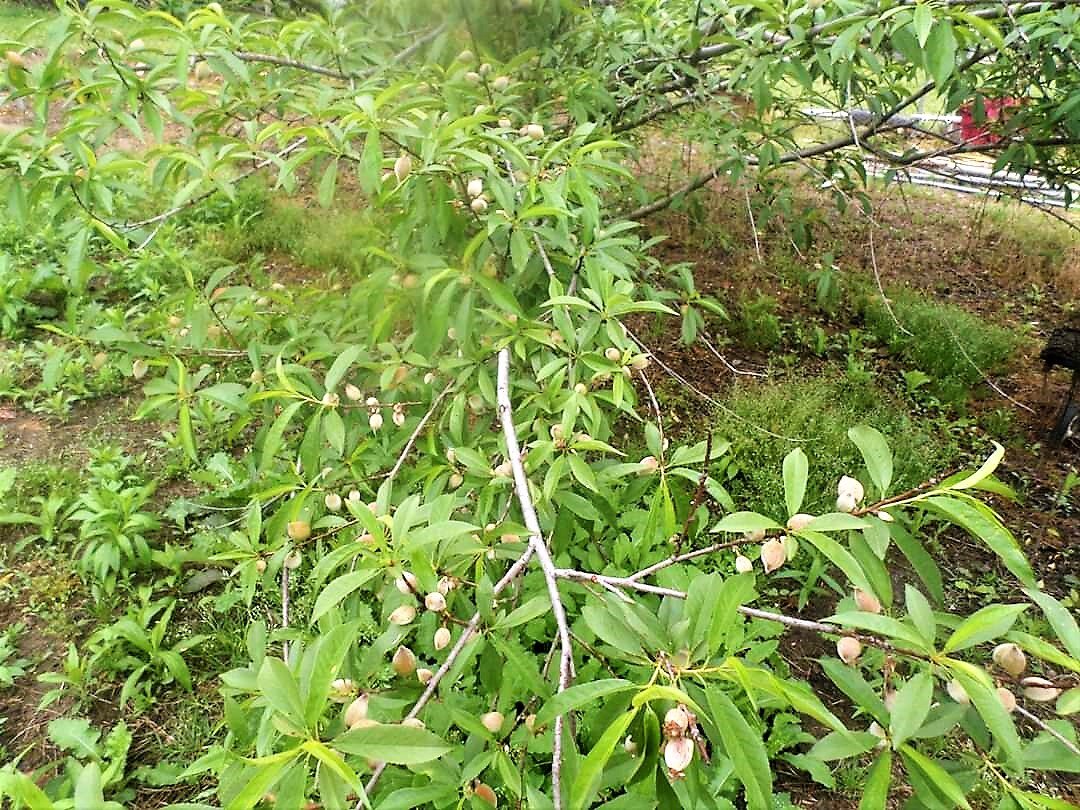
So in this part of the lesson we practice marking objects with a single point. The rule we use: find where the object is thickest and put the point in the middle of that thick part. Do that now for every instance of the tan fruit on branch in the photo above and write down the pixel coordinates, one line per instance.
(534, 131)
(1010, 658)
(629, 746)
(492, 721)
(1007, 698)
(798, 522)
(15, 59)
(435, 602)
(472, 77)
(357, 711)
(353, 393)
(407, 583)
(375, 421)
(867, 602)
(500, 83)
(612, 354)
(260, 565)
(399, 416)
(139, 369)
(849, 649)
(678, 754)
(299, 530)
(424, 675)
(442, 638)
(402, 615)
(957, 692)
(851, 486)
(475, 187)
(455, 481)
(773, 555)
(846, 503)
(404, 662)
(466, 57)
(755, 536)
(292, 560)
(1039, 689)
(649, 464)
(530, 723)
(341, 689)
(743, 565)
(99, 361)
(485, 794)
(332, 501)
(402, 167)
(676, 722)
(479, 205)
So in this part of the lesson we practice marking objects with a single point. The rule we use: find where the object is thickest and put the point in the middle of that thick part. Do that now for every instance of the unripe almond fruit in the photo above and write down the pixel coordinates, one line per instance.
(424, 675)
(479, 205)
(332, 501)
(15, 59)
(299, 530)
(407, 583)
(466, 57)
(630, 747)
(139, 369)
(755, 536)
(442, 638)
(354, 496)
(1040, 689)
(403, 662)
(678, 754)
(649, 464)
(957, 692)
(773, 555)
(375, 421)
(475, 187)
(260, 565)
(356, 712)
(353, 393)
(534, 131)
(292, 560)
(743, 565)
(501, 83)
(846, 503)
(867, 602)
(398, 417)
(402, 167)
(472, 76)
(530, 723)
(485, 794)
(1010, 658)
(492, 721)
(849, 649)
(413, 722)
(851, 486)
(612, 354)
(402, 615)
(435, 602)
(796, 523)
(676, 721)
(341, 689)
(1007, 698)
(506, 123)
(456, 480)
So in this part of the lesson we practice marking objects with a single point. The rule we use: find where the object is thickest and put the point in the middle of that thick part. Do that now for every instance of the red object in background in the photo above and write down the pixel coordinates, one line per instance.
(979, 134)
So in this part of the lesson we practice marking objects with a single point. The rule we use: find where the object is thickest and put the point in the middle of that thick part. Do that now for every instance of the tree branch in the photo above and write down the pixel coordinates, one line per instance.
(543, 556)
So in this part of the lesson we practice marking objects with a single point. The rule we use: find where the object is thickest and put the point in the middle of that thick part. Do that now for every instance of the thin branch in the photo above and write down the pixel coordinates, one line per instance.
(466, 634)
(543, 556)
(284, 610)
(1020, 710)
(418, 430)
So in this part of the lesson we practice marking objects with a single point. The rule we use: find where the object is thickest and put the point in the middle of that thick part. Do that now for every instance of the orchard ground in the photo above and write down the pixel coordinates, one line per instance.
(809, 347)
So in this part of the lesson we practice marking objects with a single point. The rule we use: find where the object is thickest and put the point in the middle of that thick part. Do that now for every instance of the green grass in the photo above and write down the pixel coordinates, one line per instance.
(14, 19)
(820, 411)
(953, 347)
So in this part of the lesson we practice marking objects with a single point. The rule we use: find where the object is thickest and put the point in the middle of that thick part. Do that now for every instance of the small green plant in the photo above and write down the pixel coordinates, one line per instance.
(757, 324)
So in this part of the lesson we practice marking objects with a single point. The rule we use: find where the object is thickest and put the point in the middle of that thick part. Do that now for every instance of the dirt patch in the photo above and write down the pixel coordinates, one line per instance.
(32, 438)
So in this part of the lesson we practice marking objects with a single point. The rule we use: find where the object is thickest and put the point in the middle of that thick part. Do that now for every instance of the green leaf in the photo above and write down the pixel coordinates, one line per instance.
(876, 454)
(581, 695)
(745, 522)
(988, 623)
(921, 614)
(328, 184)
(840, 557)
(1063, 622)
(935, 775)
(591, 770)
(745, 746)
(882, 626)
(338, 589)
(322, 661)
(984, 697)
(941, 51)
(835, 746)
(399, 745)
(342, 364)
(75, 734)
(923, 21)
(852, 684)
(796, 471)
(278, 686)
(984, 472)
(1069, 702)
(876, 791)
(911, 708)
(534, 608)
(983, 524)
